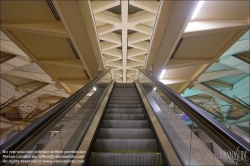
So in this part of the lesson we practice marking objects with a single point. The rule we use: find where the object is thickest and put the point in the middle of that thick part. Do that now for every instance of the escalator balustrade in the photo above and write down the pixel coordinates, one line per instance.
(125, 136)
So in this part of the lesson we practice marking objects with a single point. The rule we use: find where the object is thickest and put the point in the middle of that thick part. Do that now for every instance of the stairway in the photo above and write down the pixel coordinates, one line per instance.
(125, 137)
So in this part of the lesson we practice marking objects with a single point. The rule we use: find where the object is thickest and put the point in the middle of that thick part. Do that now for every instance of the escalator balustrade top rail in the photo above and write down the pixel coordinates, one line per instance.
(223, 136)
(25, 136)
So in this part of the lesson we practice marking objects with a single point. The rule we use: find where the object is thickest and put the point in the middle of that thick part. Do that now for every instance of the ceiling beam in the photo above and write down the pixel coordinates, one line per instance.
(136, 52)
(42, 89)
(143, 29)
(71, 63)
(115, 64)
(131, 72)
(110, 58)
(141, 18)
(138, 58)
(88, 15)
(99, 6)
(170, 25)
(179, 63)
(76, 81)
(113, 52)
(197, 28)
(6, 57)
(128, 30)
(14, 62)
(217, 107)
(213, 92)
(52, 28)
(49, 99)
(236, 62)
(211, 75)
(76, 26)
(105, 29)
(151, 6)
(43, 77)
(219, 83)
(118, 72)
(111, 37)
(108, 17)
(137, 37)
(32, 118)
(124, 15)
(108, 45)
(141, 45)
(199, 98)
(134, 64)
(30, 75)
(31, 85)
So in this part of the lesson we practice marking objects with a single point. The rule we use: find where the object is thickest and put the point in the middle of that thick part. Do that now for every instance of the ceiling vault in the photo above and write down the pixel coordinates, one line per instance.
(124, 29)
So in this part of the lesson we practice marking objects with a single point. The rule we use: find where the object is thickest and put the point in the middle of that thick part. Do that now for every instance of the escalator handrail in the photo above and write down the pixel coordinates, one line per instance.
(210, 124)
(25, 134)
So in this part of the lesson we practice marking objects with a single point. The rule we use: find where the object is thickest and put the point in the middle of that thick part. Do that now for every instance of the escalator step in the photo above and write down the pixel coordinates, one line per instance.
(124, 117)
(125, 105)
(125, 110)
(125, 145)
(126, 159)
(125, 124)
(125, 90)
(125, 136)
(112, 101)
(124, 98)
(111, 133)
(122, 85)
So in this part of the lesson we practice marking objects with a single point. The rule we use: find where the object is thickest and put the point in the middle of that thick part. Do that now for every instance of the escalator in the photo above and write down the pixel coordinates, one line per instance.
(124, 124)
(125, 136)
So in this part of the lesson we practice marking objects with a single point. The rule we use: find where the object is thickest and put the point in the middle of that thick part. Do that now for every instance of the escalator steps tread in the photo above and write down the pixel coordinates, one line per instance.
(124, 105)
(113, 133)
(125, 124)
(125, 111)
(124, 117)
(126, 159)
(125, 137)
(125, 145)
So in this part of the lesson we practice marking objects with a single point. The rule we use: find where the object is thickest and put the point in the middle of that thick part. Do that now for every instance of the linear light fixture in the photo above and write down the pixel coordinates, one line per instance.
(162, 73)
(197, 9)
(94, 88)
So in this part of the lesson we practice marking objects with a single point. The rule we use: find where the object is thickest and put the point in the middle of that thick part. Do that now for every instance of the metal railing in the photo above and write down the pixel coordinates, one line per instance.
(219, 133)
(28, 137)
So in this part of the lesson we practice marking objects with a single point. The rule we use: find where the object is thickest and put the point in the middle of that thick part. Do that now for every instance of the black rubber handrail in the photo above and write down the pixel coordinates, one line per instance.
(55, 114)
(224, 137)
